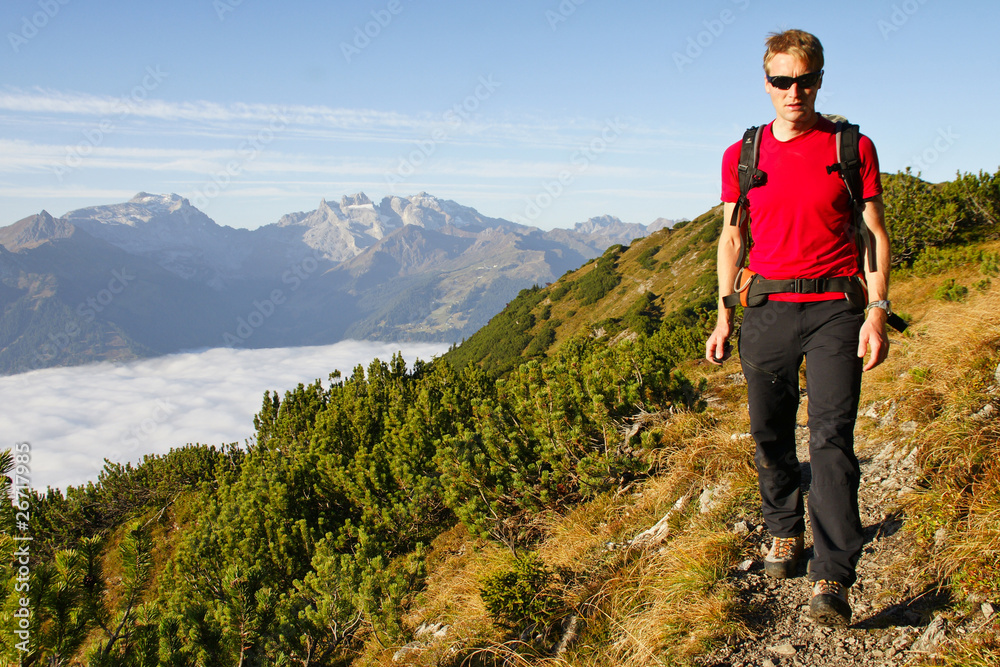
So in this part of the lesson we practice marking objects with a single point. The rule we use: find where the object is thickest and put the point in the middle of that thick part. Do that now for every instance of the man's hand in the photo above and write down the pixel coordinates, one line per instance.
(873, 338)
(718, 349)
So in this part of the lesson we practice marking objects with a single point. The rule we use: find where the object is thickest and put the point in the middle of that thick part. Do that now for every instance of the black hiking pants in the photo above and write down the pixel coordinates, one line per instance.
(774, 338)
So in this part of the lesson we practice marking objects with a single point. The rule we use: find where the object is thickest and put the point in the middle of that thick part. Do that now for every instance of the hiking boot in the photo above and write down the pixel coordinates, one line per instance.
(829, 604)
(782, 560)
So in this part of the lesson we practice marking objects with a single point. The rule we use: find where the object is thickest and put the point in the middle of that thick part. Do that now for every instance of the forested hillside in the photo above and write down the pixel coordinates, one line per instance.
(569, 486)
(665, 281)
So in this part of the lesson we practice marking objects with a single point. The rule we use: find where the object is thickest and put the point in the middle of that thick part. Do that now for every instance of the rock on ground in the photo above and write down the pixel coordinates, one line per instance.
(887, 625)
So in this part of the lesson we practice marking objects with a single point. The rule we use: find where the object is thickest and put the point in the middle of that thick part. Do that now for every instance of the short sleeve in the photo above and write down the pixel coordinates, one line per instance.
(730, 173)
(871, 179)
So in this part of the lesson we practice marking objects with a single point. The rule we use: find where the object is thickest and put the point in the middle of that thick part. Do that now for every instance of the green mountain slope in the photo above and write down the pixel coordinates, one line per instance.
(668, 276)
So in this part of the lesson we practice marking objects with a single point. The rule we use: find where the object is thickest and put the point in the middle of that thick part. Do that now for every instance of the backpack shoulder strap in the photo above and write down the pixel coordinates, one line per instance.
(849, 159)
(848, 165)
(750, 177)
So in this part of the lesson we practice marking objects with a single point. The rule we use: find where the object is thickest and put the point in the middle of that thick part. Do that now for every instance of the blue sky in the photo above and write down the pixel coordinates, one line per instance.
(546, 112)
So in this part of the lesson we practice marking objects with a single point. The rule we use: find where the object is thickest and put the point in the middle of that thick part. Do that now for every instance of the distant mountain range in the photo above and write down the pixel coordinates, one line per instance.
(155, 275)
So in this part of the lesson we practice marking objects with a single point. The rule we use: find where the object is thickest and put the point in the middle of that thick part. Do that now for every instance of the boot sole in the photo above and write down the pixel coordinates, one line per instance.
(781, 570)
(830, 610)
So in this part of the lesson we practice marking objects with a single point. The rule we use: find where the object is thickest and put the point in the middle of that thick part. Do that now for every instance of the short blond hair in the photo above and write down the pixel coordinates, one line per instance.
(796, 43)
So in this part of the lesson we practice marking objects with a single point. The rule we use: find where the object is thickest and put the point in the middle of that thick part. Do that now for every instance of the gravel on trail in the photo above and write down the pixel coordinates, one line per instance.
(888, 626)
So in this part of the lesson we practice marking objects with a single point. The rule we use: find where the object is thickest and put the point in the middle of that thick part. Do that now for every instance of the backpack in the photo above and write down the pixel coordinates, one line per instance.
(848, 165)
(755, 289)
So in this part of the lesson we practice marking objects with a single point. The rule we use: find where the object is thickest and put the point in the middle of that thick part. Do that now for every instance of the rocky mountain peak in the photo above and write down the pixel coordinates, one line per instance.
(427, 211)
(324, 210)
(171, 232)
(359, 199)
(171, 202)
(661, 223)
(144, 209)
(415, 266)
(597, 224)
(34, 230)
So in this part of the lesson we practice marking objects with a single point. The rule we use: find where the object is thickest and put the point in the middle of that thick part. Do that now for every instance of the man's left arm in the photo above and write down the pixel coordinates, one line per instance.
(873, 338)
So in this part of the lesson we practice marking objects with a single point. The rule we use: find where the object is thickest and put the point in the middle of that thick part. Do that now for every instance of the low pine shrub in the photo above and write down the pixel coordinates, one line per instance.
(522, 596)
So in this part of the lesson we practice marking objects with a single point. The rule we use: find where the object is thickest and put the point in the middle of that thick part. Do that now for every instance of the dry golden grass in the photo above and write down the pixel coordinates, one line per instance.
(642, 605)
(668, 603)
(941, 377)
(982, 650)
(457, 563)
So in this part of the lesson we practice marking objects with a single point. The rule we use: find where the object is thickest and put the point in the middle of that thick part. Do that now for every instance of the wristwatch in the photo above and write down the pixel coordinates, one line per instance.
(884, 304)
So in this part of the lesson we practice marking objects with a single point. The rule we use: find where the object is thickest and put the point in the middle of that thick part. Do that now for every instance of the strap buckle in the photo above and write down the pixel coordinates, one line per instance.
(807, 285)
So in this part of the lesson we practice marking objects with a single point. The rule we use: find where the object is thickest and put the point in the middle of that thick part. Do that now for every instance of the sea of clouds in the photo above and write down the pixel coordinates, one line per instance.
(76, 417)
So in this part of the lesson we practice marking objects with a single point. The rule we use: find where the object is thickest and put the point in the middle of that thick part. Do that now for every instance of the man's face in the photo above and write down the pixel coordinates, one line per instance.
(797, 104)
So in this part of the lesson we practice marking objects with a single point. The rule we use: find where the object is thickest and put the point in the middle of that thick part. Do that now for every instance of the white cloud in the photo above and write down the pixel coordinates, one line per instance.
(68, 111)
(100, 195)
(75, 417)
(41, 101)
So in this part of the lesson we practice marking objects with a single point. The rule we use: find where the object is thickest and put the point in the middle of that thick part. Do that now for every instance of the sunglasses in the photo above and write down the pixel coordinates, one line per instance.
(785, 82)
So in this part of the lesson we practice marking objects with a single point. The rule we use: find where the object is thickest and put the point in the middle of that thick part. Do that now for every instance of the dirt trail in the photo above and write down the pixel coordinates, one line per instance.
(886, 624)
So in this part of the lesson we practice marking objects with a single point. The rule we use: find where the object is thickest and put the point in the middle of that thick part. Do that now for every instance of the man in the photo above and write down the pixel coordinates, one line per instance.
(801, 220)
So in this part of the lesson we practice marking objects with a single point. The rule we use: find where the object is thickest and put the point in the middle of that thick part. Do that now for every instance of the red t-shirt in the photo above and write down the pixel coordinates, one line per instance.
(801, 218)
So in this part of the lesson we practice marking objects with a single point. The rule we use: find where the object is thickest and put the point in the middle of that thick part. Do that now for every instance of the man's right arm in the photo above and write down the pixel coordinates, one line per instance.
(717, 348)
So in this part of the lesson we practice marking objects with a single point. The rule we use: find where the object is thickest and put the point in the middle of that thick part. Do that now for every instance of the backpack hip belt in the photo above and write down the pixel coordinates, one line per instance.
(755, 289)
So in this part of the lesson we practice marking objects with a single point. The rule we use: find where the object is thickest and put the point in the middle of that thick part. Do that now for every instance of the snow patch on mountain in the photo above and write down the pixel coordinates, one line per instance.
(171, 232)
